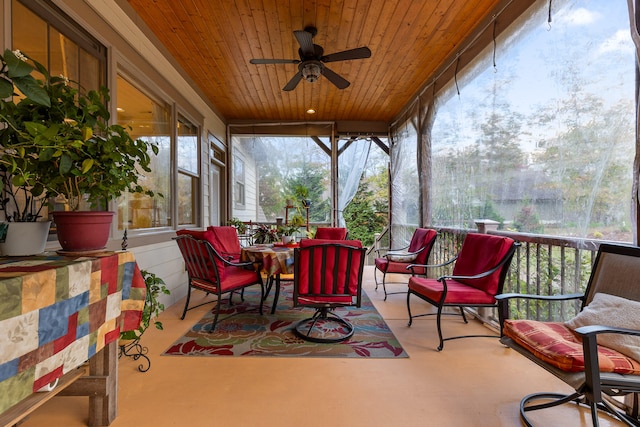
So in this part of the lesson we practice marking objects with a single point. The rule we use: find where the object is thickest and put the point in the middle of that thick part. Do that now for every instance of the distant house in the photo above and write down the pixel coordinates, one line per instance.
(530, 187)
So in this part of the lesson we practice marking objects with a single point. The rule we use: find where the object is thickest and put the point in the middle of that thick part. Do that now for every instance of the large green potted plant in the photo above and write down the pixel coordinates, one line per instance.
(59, 138)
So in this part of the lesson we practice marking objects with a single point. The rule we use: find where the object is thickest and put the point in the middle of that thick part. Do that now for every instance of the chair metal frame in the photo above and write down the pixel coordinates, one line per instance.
(593, 388)
(502, 265)
(200, 261)
(325, 309)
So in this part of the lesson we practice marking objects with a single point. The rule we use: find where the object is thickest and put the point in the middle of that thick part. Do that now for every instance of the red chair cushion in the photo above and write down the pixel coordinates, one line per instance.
(309, 281)
(383, 264)
(234, 277)
(457, 293)
(331, 233)
(480, 253)
(557, 345)
(422, 237)
(228, 242)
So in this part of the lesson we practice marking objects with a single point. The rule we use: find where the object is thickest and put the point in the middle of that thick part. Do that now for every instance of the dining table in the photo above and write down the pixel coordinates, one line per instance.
(273, 260)
(61, 318)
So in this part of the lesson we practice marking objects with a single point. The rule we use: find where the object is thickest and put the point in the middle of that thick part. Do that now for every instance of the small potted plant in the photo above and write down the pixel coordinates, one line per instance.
(302, 194)
(265, 234)
(286, 232)
(25, 230)
(61, 139)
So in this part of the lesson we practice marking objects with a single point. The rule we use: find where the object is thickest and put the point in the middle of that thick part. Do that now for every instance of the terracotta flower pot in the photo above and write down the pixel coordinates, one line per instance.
(80, 231)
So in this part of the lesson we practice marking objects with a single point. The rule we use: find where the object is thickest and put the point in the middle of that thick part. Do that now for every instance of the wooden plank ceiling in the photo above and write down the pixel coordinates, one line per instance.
(213, 41)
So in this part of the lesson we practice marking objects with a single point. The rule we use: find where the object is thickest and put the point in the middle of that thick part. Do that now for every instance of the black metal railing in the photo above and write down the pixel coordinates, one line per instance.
(542, 265)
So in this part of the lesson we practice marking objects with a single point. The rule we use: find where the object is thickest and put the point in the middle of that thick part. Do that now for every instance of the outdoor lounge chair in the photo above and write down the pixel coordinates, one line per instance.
(597, 353)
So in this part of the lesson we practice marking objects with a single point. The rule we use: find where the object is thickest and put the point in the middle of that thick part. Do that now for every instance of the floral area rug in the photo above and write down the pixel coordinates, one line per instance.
(243, 332)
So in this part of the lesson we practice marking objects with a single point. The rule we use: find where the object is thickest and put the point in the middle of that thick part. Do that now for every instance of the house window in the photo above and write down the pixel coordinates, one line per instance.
(148, 119)
(188, 171)
(239, 182)
(44, 33)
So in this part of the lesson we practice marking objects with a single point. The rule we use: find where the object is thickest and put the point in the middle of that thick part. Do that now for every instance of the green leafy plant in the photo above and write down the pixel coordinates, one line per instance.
(56, 141)
(265, 234)
(152, 306)
(238, 224)
(288, 230)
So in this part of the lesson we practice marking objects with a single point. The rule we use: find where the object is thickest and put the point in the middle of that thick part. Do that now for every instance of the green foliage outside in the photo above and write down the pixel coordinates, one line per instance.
(366, 214)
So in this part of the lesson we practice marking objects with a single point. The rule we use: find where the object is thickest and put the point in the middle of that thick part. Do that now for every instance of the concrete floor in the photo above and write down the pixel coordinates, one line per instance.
(472, 382)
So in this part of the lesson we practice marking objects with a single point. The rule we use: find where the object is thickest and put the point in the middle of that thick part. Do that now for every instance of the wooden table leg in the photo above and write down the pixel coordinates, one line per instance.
(101, 385)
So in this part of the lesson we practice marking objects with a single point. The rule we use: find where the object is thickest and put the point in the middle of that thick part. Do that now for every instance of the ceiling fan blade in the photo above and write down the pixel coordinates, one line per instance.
(293, 82)
(345, 55)
(274, 61)
(305, 39)
(334, 78)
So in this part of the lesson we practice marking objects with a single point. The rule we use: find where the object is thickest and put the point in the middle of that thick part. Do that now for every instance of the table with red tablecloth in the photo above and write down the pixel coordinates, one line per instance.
(58, 312)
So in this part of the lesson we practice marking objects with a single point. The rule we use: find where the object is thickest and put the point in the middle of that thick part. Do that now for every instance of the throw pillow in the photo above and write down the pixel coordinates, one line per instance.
(611, 310)
(401, 256)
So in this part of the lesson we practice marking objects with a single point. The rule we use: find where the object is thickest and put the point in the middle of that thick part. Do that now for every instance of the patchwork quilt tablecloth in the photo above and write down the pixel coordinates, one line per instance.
(273, 259)
(56, 312)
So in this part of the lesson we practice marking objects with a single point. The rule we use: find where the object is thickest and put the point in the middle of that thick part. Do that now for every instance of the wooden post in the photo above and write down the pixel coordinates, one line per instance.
(101, 385)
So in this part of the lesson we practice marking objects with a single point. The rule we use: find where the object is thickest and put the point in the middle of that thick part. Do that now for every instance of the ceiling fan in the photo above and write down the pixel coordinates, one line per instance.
(312, 60)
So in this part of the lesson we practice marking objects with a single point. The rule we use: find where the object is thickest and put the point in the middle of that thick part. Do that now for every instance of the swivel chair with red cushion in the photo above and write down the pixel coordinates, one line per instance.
(331, 233)
(327, 276)
(397, 260)
(478, 276)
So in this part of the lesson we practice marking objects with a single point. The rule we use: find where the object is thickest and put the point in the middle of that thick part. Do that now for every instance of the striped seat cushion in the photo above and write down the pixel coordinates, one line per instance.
(559, 346)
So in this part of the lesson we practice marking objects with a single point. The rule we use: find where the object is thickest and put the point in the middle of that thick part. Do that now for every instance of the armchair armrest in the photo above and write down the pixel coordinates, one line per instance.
(503, 301)
(380, 250)
(564, 297)
(412, 266)
(590, 350)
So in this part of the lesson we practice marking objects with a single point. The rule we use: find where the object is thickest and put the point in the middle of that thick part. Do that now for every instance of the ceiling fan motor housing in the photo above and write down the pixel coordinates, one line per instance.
(311, 70)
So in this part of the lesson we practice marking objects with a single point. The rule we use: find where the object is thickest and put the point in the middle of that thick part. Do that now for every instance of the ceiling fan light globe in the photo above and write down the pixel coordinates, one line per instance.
(311, 72)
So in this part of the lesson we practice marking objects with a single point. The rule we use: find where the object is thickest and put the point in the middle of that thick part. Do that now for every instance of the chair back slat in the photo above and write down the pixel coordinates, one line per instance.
(199, 257)
(616, 271)
(328, 271)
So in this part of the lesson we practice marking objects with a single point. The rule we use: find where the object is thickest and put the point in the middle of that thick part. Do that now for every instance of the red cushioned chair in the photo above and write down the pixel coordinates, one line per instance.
(331, 233)
(397, 260)
(327, 275)
(591, 351)
(212, 273)
(478, 275)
